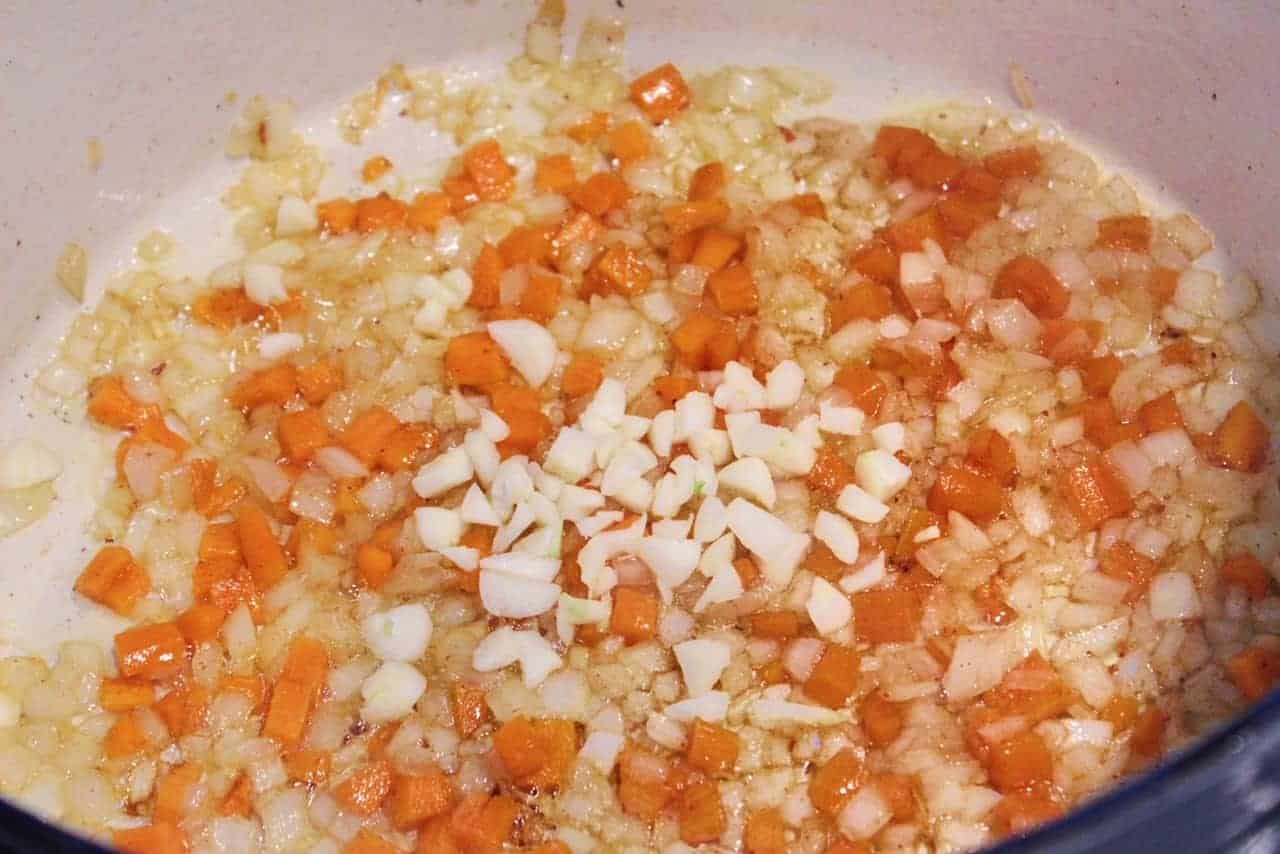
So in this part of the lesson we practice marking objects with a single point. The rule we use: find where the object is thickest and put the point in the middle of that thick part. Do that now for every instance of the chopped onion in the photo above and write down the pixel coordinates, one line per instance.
(340, 463)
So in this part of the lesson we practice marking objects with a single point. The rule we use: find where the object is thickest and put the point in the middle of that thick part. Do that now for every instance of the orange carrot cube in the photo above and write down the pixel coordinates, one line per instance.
(708, 181)
(711, 749)
(302, 433)
(475, 360)
(153, 651)
(600, 193)
(160, 837)
(555, 174)
(276, 384)
(114, 579)
(380, 213)
(734, 290)
(635, 614)
(830, 473)
(834, 783)
(971, 493)
(262, 552)
(582, 375)
(629, 142)
(337, 216)
(319, 379)
(1027, 279)
(834, 677)
(715, 249)
(1255, 671)
(1160, 413)
(428, 211)
(881, 718)
(485, 164)
(365, 789)
(701, 813)
(1126, 233)
(672, 388)
(661, 94)
(864, 386)
(1021, 761)
(1247, 572)
(368, 435)
(690, 216)
(1240, 441)
(418, 797)
(775, 625)
(1094, 493)
(765, 833)
(123, 695)
(111, 405)
(541, 297)
(1021, 162)
(889, 615)
(468, 707)
(623, 270)
(201, 622)
(865, 300)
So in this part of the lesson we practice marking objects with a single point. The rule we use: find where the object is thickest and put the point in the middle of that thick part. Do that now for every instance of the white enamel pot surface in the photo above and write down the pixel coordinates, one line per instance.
(1183, 95)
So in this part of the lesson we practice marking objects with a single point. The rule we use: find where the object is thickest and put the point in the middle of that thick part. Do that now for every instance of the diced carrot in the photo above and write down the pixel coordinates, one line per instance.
(1121, 711)
(962, 215)
(468, 707)
(889, 615)
(900, 146)
(159, 837)
(864, 386)
(629, 142)
(1255, 671)
(1020, 761)
(217, 499)
(734, 290)
(1068, 342)
(307, 766)
(262, 552)
(1099, 373)
(808, 205)
(364, 790)
(1147, 738)
(702, 817)
(1126, 233)
(830, 473)
(834, 677)
(152, 651)
(715, 249)
(1183, 351)
(661, 94)
(488, 168)
(1240, 441)
(689, 216)
(589, 129)
(238, 800)
(436, 837)
(765, 833)
(380, 212)
(1247, 572)
(918, 521)
(748, 572)
(320, 379)
(774, 625)
(881, 718)
(582, 375)
(114, 579)
(865, 300)
(405, 447)
(374, 168)
(369, 434)
(253, 688)
(367, 841)
(553, 847)
(538, 754)
(971, 493)
(623, 270)
(555, 174)
(899, 792)
(1162, 284)
(1103, 426)
(527, 244)
(834, 783)
(581, 228)
(600, 193)
(225, 584)
(276, 384)
(486, 277)
(1160, 413)
(337, 216)
(1094, 493)
(708, 181)
(877, 261)
(992, 453)
(461, 191)
(1029, 280)
(691, 338)
(125, 738)
(672, 388)
(172, 791)
(427, 211)
(295, 692)
(822, 562)
(111, 405)
(122, 695)
(541, 297)
(1021, 162)
(910, 234)
(475, 360)
(711, 749)
(418, 797)
(1033, 691)
(1018, 812)
(635, 614)
(522, 411)
(935, 170)
(201, 622)
(482, 823)
(302, 433)
(226, 308)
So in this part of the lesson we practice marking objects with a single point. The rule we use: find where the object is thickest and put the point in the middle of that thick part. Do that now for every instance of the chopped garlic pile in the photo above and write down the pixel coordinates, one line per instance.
(674, 491)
